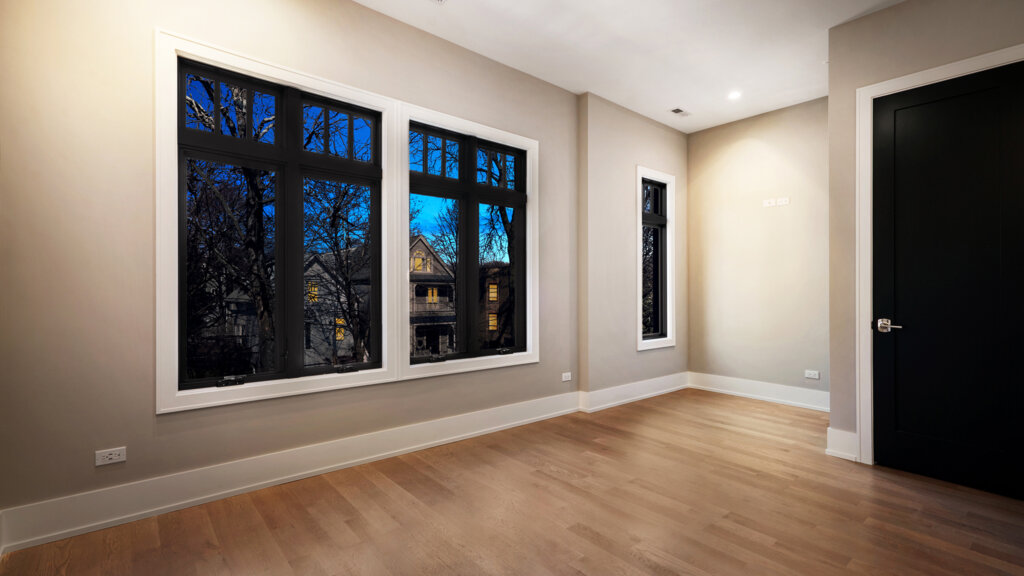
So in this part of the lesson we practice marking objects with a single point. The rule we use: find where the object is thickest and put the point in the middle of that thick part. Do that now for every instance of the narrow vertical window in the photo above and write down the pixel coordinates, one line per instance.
(655, 266)
(492, 292)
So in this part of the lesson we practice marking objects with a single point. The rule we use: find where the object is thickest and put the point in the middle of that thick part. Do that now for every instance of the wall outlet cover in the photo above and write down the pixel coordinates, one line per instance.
(111, 455)
(812, 374)
(566, 376)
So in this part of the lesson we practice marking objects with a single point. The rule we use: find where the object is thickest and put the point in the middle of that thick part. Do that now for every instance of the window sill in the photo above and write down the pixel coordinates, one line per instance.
(427, 370)
(655, 343)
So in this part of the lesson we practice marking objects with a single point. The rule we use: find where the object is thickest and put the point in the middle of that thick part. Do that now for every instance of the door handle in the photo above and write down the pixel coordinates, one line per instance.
(885, 325)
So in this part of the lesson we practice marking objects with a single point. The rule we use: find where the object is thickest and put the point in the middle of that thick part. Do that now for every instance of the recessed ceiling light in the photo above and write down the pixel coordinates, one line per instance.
(735, 95)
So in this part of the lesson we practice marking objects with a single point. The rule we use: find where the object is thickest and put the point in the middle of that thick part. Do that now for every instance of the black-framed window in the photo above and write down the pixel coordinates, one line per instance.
(279, 231)
(653, 265)
(467, 240)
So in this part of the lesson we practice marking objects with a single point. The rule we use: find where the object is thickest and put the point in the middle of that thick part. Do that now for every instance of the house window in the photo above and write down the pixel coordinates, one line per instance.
(339, 329)
(467, 212)
(255, 159)
(432, 295)
(655, 199)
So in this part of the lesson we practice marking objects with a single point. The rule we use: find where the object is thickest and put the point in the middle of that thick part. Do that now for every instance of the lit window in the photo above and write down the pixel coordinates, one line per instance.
(417, 262)
(339, 328)
(492, 322)
(432, 295)
(312, 290)
(492, 292)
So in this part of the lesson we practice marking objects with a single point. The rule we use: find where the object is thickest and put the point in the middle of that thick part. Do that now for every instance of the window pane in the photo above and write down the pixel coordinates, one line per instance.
(651, 280)
(232, 110)
(229, 259)
(481, 166)
(199, 96)
(337, 127)
(451, 159)
(338, 259)
(497, 255)
(510, 171)
(434, 144)
(312, 128)
(264, 113)
(652, 198)
(362, 136)
(415, 151)
(433, 257)
(496, 169)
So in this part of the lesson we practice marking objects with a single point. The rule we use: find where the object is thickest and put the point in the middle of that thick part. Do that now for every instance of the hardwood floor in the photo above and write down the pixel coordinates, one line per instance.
(686, 483)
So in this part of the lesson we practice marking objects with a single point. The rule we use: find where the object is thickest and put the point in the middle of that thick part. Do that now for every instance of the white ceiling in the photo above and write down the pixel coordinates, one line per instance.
(653, 55)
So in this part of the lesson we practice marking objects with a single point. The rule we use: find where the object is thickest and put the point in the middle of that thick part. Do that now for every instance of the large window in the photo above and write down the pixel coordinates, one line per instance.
(284, 263)
(279, 196)
(656, 270)
(467, 240)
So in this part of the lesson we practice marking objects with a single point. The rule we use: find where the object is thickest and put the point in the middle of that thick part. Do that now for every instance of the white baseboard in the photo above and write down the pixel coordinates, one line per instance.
(595, 400)
(49, 520)
(843, 444)
(778, 393)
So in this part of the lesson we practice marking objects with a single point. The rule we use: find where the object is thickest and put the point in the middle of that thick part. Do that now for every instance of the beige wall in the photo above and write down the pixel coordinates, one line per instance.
(909, 37)
(613, 141)
(758, 276)
(77, 232)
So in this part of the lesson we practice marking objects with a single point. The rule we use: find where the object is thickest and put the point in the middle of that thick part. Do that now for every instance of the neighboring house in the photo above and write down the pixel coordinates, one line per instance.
(337, 308)
(431, 302)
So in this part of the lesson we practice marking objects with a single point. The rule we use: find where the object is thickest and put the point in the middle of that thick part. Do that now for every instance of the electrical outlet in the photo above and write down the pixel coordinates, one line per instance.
(566, 376)
(812, 374)
(782, 201)
(111, 455)
(769, 203)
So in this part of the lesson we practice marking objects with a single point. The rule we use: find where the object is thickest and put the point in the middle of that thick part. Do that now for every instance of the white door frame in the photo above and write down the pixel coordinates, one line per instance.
(865, 122)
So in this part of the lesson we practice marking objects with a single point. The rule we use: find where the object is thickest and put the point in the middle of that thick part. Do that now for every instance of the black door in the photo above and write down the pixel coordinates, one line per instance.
(949, 270)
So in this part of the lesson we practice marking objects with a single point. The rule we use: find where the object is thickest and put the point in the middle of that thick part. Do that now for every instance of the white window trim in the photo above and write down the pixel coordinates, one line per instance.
(669, 340)
(409, 113)
(395, 117)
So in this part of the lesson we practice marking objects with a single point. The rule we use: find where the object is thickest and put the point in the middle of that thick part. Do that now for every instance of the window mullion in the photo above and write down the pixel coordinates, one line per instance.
(293, 289)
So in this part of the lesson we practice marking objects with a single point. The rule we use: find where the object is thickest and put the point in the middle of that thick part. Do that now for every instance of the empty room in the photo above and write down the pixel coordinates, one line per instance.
(401, 287)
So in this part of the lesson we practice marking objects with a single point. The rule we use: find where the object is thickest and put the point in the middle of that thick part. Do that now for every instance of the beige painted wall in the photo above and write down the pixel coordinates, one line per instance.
(758, 276)
(613, 141)
(909, 37)
(77, 232)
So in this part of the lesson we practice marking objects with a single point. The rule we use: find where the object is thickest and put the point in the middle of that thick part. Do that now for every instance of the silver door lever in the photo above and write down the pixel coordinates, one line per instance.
(886, 325)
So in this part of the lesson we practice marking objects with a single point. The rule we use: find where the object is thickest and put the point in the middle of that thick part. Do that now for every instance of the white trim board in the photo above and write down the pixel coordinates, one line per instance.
(592, 401)
(778, 393)
(842, 444)
(51, 520)
(866, 95)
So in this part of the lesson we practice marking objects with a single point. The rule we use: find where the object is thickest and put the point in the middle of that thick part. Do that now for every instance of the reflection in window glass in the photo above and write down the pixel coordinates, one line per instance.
(415, 151)
(264, 113)
(433, 230)
(199, 96)
(336, 235)
(337, 129)
(312, 128)
(497, 241)
(362, 139)
(232, 110)
(229, 270)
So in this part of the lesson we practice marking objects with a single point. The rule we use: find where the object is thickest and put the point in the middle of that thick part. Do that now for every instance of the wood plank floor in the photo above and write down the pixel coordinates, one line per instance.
(686, 483)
